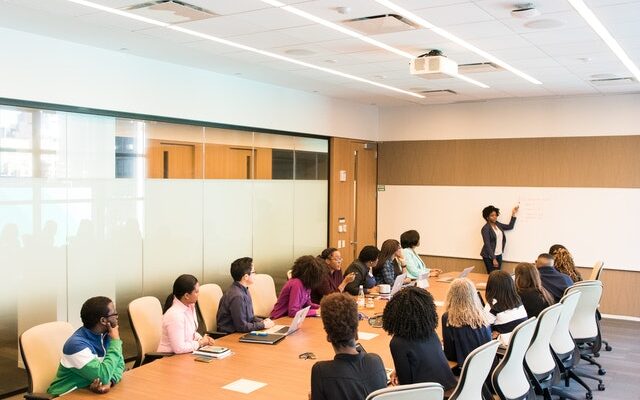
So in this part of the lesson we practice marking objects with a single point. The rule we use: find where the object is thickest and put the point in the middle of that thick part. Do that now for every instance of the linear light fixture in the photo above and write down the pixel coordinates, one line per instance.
(604, 34)
(357, 35)
(240, 46)
(450, 36)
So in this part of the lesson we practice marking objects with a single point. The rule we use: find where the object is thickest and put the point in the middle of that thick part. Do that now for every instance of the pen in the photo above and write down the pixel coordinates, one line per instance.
(256, 333)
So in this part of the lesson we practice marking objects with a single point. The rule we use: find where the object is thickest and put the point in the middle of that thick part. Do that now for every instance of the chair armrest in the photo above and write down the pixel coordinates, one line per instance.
(216, 335)
(154, 355)
(38, 396)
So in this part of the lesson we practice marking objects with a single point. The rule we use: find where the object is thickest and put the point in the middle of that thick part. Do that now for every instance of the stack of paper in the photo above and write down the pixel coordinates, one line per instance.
(213, 352)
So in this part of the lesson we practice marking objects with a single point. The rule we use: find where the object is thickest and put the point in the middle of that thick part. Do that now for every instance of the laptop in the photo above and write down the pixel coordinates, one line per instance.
(278, 332)
(462, 274)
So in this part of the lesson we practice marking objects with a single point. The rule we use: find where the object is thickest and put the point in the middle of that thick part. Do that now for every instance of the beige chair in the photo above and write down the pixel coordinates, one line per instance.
(596, 271)
(263, 295)
(416, 391)
(208, 302)
(41, 351)
(145, 316)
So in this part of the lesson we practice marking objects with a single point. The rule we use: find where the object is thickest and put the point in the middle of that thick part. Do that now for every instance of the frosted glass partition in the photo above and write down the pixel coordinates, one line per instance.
(172, 234)
(310, 217)
(227, 227)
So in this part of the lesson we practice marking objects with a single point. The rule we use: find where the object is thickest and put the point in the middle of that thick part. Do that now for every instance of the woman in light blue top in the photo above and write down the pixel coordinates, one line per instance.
(415, 266)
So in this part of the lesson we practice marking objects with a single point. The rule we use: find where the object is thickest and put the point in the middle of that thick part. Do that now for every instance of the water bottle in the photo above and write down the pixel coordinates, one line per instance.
(360, 297)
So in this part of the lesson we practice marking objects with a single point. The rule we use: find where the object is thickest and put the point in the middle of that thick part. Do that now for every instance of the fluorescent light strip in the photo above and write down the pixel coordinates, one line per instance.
(447, 35)
(604, 34)
(240, 46)
(357, 35)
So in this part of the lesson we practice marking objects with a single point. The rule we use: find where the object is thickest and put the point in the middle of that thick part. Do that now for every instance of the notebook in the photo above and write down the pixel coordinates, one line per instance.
(278, 332)
(462, 274)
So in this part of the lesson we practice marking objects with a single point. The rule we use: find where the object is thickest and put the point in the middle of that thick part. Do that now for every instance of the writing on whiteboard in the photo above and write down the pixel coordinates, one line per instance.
(533, 208)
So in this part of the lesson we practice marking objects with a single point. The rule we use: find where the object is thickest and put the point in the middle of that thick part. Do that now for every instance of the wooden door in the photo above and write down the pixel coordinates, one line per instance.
(178, 161)
(365, 196)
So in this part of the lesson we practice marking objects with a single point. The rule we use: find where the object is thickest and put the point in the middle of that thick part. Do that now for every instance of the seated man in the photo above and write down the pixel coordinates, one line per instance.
(92, 356)
(352, 374)
(362, 270)
(554, 281)
(235, 313)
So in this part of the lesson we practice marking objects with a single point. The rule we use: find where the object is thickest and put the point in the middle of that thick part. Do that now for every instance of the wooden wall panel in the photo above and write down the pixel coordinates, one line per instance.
(618, 298)
(366, 195)
(609, 161)
(340, 193)
(263, 163)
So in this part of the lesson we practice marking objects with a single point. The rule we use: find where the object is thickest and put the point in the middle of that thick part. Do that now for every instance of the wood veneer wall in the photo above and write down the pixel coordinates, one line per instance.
(604, 161)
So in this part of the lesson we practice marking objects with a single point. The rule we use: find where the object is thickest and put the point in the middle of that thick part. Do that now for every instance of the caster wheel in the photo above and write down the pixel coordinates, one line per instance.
(601, 386)
(608, 348)
(596, 355)
(602, 371)
(589, 396)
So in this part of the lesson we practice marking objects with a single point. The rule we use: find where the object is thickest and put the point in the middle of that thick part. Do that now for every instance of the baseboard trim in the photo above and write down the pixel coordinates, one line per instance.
(621, 317)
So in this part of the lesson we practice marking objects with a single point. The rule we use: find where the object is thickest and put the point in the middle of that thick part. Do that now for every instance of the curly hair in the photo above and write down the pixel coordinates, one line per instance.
(410, 314)
(463, 306)
(563, 262)
(309, 270)
(501, 292)
(340, 319)
(528, 277)
(488, 210)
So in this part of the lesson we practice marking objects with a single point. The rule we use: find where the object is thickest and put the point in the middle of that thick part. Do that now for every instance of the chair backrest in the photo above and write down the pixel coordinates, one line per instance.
(509, 379)
(41, 351)
(145, 314)
(416, 391)
(596, 271)
(208, 302)
(583, 325)
(474, 372)
(538, 357)
(263, 294)
(288, 274)
(561, 340)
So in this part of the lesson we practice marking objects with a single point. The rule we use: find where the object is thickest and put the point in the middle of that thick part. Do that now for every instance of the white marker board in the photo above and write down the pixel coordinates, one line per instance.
(593, 223)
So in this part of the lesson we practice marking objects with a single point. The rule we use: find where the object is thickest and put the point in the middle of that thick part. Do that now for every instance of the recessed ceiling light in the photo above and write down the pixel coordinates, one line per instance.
(604, 34)
(300, 52)
(449, 36)
(236, 45)
(546, 23)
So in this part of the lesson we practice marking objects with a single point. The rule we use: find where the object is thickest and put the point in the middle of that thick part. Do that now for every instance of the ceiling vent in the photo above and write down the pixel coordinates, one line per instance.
(379, 24)
(474, 68)
(437, 94)
(433, 65)
(613, 81)
(171, 11)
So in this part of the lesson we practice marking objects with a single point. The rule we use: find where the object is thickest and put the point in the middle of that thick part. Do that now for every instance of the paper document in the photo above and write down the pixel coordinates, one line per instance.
(438, 303)
(245, 386)
(366, 335)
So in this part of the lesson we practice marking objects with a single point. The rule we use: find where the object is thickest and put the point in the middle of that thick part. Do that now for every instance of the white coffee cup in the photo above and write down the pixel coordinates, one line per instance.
(384, 289)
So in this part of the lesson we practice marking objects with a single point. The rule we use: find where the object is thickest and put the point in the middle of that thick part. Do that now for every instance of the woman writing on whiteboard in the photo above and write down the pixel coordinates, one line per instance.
(493, 237)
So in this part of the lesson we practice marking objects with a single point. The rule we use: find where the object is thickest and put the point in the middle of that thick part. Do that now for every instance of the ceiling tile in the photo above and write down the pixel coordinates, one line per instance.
(455, 14)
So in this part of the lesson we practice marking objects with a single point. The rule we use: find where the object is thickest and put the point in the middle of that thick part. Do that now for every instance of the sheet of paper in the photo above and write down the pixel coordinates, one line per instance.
(438, 303)
(245, 386)
(366, 335)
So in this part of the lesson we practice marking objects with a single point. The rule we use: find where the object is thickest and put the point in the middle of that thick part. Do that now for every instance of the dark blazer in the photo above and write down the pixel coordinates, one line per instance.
(489, 238)
(362, 277)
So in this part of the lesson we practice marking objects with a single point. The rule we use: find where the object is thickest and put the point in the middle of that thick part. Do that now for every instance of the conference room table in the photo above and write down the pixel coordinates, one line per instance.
(279, 367)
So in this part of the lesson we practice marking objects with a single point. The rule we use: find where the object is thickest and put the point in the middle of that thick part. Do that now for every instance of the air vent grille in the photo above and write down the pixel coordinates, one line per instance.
(171, 11)
(379, 24)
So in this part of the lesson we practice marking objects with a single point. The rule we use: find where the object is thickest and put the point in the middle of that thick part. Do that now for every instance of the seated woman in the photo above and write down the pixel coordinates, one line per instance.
(563, 262)
(390, 263)
(410, 316)
(362, 270)
(464, 325)
(504, 309)
(409, 240)
(352, 374)
(179, 322)
(333, 280)
(534, 296)
(306, 274)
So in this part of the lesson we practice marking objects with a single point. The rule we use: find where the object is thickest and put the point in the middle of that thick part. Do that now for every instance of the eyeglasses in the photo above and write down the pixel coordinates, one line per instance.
(253, 272)
(375, 321)
(115, 314)
(307, 356)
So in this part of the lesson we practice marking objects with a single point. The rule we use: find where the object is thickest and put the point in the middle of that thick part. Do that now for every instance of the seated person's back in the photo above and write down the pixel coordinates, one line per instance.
(352, 374)
(504, 307)
(85, 363)
(553, 281)
(534, 296)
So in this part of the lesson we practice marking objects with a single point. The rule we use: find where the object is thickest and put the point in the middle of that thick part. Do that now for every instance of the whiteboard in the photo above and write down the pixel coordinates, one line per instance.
(593, 223)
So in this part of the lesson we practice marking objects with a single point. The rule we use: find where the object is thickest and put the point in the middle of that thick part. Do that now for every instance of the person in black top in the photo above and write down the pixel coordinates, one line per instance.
(411, 317)
(464, 325)
(555, 282)
(362, 269)
(535, 298)
(352, 374)
(504, 307)
(493, 237)
(235, 312)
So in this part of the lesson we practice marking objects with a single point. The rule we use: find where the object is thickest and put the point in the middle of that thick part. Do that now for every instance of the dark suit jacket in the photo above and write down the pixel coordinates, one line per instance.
(489, 237)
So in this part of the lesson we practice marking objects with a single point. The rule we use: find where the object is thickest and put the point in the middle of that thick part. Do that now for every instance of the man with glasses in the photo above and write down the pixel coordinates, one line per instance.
(235, 313)
(92, 356)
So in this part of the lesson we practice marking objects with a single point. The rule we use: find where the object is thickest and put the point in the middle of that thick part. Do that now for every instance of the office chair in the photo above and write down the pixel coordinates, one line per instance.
(41, 351)
(596, 272)
(207, 306)
(510, 380)
(145, 316)
(263, 295)
(416, 391)
(476, 368)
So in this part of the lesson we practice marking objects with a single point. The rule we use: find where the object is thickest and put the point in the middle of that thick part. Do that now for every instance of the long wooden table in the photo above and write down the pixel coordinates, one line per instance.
(286, 375)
